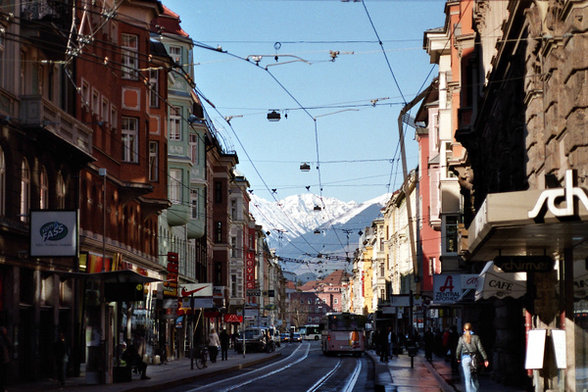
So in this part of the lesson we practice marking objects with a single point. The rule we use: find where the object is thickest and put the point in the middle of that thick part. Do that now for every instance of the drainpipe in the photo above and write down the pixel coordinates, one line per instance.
(411, 236)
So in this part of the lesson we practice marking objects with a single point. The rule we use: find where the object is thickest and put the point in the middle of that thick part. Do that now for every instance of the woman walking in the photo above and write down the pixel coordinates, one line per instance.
(468, 346)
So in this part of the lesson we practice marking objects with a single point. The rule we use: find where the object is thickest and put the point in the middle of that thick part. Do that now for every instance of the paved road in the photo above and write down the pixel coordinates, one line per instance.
(301, 368)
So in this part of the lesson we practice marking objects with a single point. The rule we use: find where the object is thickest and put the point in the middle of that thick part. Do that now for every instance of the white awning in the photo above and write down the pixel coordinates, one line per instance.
(493, 282)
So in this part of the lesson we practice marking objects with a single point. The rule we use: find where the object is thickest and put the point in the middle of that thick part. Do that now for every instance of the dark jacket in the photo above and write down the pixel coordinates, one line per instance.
(474, 346)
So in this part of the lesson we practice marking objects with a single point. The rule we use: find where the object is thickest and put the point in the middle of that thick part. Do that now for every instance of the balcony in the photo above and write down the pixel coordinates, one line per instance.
(196, 228)
(37, 112)
(43, 23)
(178, 215)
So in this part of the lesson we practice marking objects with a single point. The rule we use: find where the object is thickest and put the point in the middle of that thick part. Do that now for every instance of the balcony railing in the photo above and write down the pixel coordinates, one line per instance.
(35, 111)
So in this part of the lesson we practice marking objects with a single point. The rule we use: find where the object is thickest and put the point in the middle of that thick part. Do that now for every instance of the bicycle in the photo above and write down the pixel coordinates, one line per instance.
(201, 356)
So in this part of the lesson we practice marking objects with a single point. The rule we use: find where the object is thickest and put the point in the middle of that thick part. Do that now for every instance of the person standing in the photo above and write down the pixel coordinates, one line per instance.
(429, 344)
(225, 339)
(468, 345)
(213, 345)
(5, 353)
(383, 338)
(391, 343)
(61, 352)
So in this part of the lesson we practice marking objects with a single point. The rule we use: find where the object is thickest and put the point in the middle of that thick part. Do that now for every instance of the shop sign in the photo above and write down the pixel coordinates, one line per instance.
(552, 198)
(446, 288)
(53, 233)
(250, 270)
(196, 290)
(524, 263)
(233, 318)
(218, 292)
(170, 286)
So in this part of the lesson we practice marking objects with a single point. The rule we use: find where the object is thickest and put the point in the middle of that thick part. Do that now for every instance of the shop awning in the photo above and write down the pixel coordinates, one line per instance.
(508, 223)
(122, 276)
(493, 282)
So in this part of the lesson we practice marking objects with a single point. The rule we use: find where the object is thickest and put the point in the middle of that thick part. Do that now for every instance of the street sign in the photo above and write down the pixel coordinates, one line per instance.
(253, 293)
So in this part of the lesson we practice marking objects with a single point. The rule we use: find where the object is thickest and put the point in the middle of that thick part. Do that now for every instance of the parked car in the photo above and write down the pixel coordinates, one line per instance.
(275, 335)
(254, 339)
(296, 337)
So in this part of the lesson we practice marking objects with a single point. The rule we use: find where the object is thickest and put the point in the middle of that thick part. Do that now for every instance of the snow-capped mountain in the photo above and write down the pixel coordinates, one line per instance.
(312, 234)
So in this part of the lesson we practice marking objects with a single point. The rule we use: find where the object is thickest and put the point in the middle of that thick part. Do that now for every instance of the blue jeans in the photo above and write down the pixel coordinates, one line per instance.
(470, 379)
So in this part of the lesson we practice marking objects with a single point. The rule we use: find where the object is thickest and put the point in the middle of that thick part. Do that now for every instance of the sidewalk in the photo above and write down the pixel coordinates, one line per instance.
(434, 376)
(171, 374)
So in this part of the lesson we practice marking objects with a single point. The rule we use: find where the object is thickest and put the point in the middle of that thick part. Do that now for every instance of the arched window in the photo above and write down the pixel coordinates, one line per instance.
(60, 191)
(44, 189)
(2, 182)
(25, 191)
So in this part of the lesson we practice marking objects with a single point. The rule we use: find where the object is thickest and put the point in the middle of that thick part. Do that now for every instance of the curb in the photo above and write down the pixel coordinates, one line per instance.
(445, 386)
(382, 377)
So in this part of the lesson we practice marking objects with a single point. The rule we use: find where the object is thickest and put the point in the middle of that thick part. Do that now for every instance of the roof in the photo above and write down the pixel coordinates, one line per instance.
(168, 22)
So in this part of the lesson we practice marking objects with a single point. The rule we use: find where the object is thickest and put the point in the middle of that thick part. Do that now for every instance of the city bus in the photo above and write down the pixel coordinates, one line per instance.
(311, 332)
(343, 333)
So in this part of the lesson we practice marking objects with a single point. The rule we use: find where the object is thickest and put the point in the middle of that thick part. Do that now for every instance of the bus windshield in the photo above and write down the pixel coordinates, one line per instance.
(345, 322)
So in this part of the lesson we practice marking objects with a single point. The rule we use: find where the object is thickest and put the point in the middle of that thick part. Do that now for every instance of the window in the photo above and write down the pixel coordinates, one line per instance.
(95, 102)
(153, 161)
(25, 190)
(130, 142)
(219, 232)
(60, 184)
(175, 53)
(234, 209)
(218, 192)
(194, 148)
(336, 301)
(154, 88)
(130, 56)
(451, 234)
(175, 186)
(104, 110)
(2, 182)
(85, 94)
(233, 285)
(194, 203)
(233, 246)
(113, 117)
(175, 129)
(44, 189)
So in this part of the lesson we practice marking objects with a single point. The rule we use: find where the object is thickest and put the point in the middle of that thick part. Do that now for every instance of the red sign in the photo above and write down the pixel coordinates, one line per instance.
(250, 270)
(170, 286)
(233, 318)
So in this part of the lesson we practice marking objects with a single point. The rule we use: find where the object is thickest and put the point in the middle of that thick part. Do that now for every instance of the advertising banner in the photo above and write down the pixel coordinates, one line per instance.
(196, 290)
(54, 233)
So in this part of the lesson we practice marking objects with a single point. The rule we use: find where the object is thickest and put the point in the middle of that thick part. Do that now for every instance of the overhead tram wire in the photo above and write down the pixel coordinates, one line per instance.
(251, 161)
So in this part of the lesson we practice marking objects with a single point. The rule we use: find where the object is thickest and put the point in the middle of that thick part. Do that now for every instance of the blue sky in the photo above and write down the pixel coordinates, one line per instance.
(357, 142)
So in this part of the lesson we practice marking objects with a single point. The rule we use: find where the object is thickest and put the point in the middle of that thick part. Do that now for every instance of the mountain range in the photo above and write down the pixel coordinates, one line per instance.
(312, 235)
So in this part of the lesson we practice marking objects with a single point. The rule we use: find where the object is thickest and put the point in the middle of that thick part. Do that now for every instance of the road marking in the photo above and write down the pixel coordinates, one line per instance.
(256, 371)
(324, 378)
(353, 379)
